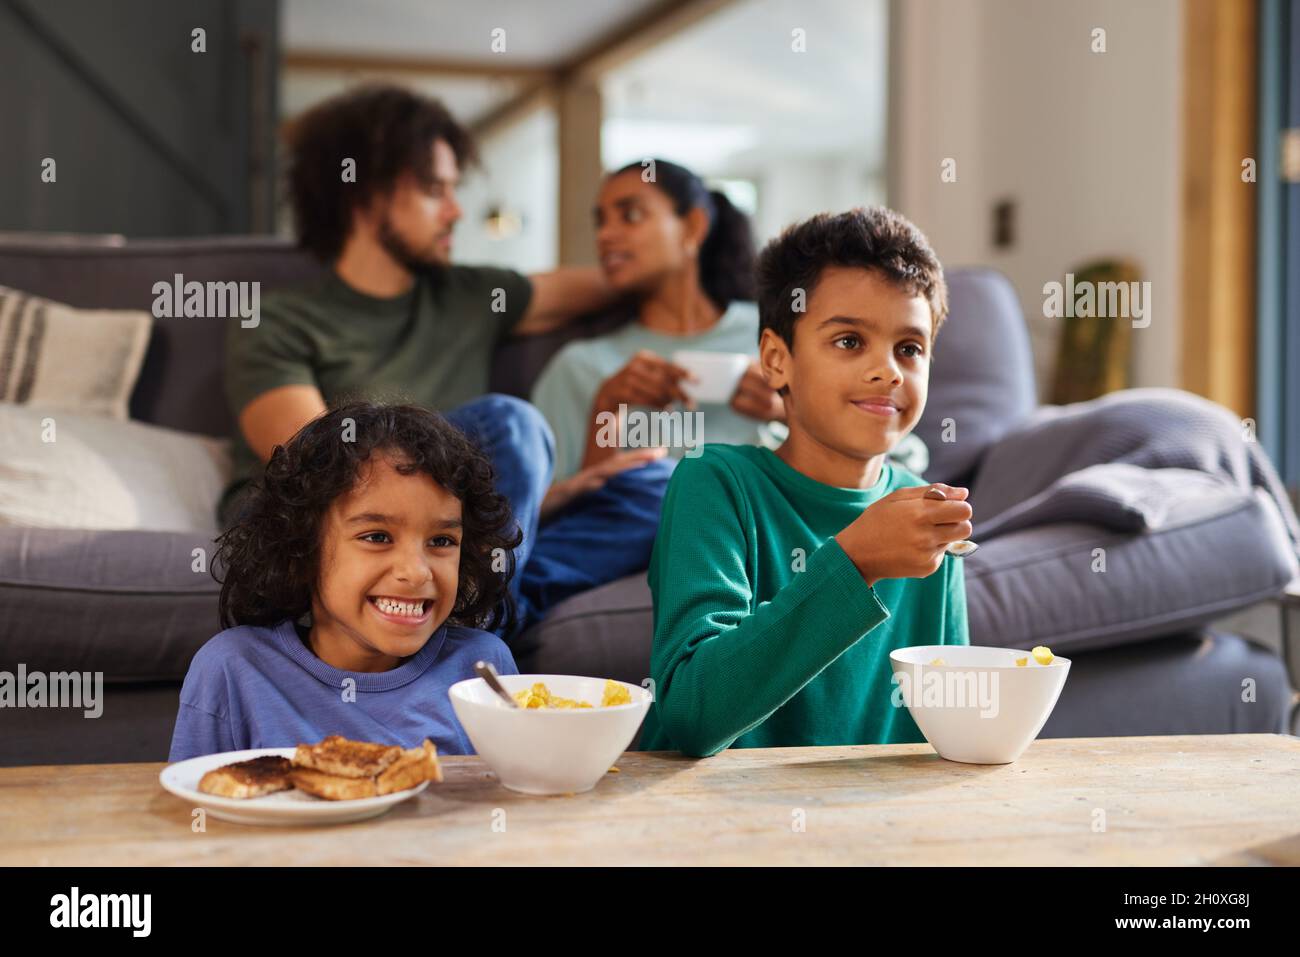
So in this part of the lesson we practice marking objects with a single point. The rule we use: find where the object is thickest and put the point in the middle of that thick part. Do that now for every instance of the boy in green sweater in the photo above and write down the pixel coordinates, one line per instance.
(782, 580)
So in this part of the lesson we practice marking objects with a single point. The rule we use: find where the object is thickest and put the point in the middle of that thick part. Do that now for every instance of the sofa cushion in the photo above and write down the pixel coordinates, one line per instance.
(1045, 585)
(602, 633)
(98, 473)
(134, 605)
(1125, 498)
(78, 360)
(1191, 683)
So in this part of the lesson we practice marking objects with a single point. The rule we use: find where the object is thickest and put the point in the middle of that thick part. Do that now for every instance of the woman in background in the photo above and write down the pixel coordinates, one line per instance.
(685, 258)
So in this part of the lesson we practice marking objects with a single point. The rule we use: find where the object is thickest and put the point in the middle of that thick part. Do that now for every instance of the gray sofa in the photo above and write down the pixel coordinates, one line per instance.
(127, 603)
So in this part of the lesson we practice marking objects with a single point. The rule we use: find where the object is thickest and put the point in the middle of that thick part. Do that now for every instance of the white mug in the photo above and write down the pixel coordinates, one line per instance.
(718, 373)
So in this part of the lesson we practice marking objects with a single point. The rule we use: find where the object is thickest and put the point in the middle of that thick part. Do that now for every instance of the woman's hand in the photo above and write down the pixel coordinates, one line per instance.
(589, 479)
(647, 379)
(756, 399)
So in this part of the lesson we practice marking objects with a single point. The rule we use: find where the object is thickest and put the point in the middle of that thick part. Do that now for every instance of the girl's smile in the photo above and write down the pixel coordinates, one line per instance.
(404, 613)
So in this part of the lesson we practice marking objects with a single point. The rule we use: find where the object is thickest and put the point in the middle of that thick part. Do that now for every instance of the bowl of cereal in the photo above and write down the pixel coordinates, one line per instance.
(562, 739)
(977, 704)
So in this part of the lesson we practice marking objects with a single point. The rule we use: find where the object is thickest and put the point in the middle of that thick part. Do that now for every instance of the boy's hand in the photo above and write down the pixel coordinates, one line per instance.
(904, 534)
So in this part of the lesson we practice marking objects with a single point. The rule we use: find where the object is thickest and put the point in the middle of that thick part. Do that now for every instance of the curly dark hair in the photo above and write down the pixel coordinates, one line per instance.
(727, 254)
(271, 555)
(388, 131)
(871, 237)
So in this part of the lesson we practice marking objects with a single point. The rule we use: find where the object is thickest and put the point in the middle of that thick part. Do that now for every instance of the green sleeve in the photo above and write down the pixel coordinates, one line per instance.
(276, 352)
(721, 666)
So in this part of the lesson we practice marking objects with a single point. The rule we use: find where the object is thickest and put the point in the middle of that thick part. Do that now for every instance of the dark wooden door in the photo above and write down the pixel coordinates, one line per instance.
(148, 136)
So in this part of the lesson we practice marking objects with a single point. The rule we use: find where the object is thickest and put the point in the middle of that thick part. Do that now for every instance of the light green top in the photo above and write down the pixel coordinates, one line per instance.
(765, 633)
(568, 385)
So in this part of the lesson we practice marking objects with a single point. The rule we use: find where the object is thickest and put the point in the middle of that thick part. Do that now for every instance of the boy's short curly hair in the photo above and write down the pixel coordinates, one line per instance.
(387, 131)
(271, 556)
(872, 237)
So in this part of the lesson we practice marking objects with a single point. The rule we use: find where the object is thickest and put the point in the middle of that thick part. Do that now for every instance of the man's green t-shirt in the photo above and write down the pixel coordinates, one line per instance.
(431, 346)
(765, 633)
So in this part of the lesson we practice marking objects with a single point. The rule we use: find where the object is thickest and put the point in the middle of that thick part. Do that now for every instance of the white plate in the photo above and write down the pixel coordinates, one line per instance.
(279, 809)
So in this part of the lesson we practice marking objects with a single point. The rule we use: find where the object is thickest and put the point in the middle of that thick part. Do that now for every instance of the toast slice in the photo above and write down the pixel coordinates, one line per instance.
(248, 779)
(332, 787)
(415, 766)
(349, 759)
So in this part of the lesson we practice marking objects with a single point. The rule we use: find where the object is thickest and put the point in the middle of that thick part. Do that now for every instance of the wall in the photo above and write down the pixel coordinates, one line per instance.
(1087, 144)
(793, 188)
(521, 172)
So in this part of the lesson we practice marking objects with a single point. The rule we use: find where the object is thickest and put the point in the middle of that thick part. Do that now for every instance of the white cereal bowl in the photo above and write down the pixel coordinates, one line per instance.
(548, 750)
(979, 706)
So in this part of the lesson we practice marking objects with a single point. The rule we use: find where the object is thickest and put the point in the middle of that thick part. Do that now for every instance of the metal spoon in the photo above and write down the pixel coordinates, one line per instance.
(489, 674)
(962, 548)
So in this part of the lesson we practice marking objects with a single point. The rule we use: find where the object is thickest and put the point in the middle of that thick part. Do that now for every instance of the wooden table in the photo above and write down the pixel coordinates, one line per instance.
(1221, 799)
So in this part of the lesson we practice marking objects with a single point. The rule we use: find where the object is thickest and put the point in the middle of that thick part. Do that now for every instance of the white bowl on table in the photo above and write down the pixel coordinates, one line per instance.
(548, 750)
(989, 709)
(719, 373)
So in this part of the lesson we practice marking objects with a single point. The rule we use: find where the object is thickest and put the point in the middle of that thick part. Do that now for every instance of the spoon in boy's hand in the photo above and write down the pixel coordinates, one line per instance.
(961, 548)
(489, 674)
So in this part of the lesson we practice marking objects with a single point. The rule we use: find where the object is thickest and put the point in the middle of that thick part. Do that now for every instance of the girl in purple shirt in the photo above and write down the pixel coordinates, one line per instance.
(359, 581)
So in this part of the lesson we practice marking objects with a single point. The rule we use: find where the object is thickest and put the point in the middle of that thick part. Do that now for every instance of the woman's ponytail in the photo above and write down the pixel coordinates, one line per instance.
(727, 256)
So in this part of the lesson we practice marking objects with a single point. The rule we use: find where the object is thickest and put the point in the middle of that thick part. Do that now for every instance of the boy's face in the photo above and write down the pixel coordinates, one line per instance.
(393, 536)
(859, 370)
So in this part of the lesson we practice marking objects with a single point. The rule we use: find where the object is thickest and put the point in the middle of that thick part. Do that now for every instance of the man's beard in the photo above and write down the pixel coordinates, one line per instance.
(410, 258)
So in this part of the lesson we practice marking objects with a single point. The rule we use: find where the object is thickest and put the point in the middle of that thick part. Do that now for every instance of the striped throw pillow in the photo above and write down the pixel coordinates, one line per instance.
(53, 356)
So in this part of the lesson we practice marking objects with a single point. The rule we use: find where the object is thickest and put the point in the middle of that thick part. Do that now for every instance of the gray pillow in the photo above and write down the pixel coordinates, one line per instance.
(981, 375)
(1126, 498)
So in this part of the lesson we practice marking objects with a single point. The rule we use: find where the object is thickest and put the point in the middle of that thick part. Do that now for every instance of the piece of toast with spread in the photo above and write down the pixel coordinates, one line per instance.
(348, 759)
(413, 767)
(248, 779)
(332, 787)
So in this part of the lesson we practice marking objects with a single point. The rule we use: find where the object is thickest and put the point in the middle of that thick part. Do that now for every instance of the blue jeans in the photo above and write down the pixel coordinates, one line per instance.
(602, 536)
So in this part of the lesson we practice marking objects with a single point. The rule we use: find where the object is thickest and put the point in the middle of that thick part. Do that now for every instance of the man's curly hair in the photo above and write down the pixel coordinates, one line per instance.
(271, 556)
(872, 237)
(387, 131)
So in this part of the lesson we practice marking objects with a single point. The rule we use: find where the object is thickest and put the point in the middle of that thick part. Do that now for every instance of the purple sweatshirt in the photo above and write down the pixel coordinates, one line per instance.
(254, 687)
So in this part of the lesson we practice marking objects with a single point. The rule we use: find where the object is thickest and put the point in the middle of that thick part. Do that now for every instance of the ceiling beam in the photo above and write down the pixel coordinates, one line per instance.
(623, 43)
(324, 61)
(543, 84)
(628, 40)
(532, 97)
